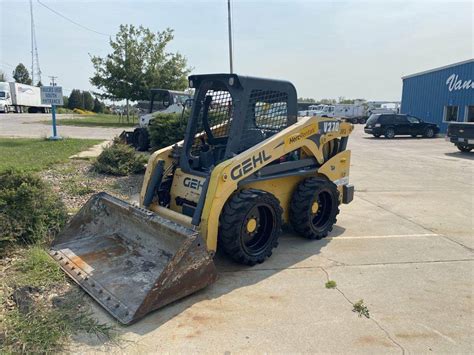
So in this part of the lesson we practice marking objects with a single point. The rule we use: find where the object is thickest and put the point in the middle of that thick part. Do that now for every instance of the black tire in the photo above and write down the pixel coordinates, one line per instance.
(414, 135)
(376, 135)
(310, 223)
(429, 133)
(389, 133)
(464, 149)
(362, 120)
(143, 140)
(245, 243)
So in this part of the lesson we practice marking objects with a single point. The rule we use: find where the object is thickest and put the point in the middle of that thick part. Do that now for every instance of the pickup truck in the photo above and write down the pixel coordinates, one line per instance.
(462, 135)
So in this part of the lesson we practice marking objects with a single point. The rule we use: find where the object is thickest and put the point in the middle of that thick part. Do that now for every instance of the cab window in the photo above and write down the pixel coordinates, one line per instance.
(412, 119)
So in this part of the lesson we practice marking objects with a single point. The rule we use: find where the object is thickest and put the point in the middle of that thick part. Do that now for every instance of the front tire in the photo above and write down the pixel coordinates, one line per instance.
(376, 135)
(250, 225)
(314, 208)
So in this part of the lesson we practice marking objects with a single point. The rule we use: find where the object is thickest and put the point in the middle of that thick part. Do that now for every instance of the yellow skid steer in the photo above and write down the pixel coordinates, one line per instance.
(246, 166)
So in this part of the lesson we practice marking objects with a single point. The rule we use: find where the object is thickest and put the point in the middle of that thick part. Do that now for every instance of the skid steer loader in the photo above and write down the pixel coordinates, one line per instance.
(245, 167)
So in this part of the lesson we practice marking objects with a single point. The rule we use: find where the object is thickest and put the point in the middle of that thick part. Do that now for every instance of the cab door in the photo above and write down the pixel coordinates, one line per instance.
(402, 125)
(415, 125)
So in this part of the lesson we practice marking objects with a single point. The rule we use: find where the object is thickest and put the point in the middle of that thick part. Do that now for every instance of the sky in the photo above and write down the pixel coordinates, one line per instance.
(327, 49)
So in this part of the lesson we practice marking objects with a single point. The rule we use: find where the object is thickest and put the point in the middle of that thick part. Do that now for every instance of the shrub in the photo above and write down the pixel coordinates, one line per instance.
(166, 129)
(29, 210)
(119, 159)
(83, 112)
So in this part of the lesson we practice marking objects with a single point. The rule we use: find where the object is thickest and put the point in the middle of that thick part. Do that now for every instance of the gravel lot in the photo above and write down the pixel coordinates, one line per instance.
(28, 126)
(404, 246)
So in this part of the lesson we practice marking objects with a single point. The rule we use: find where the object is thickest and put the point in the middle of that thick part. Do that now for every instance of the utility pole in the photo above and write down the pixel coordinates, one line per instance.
(230, 37)
(52, 80)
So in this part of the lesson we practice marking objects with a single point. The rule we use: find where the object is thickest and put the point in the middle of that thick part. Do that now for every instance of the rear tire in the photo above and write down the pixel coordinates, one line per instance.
(362, 120)
(429, 133)
(389, 133)
(414, 135)
(311, 222)
(464, 149)
(250, 225)
(143, 140)
(376, 135)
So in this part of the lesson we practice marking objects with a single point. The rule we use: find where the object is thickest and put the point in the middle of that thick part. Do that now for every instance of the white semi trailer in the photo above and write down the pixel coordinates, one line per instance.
(20, 98)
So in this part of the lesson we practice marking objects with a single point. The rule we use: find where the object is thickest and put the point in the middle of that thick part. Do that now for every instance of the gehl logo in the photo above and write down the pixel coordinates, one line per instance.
(249, 164)
(192, 183)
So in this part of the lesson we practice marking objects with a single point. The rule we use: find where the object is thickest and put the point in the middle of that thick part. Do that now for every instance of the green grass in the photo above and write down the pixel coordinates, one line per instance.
(52, 309)
(99, 120)
(36, 269)
(37, 154)
(331, 284)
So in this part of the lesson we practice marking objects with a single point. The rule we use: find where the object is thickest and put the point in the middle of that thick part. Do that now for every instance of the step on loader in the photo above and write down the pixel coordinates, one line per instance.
(247, 165)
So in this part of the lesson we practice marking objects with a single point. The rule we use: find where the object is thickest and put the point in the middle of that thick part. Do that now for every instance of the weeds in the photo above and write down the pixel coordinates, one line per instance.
(78, 187)
(44, 310)
(119, 159)
(361, 309)
(331, 284)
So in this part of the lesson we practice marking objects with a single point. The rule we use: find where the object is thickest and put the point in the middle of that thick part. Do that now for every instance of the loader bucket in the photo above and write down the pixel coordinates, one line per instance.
(131, 260)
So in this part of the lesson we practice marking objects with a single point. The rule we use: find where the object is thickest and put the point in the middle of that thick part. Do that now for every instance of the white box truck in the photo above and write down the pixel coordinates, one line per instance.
(20, 98)
(354, 113)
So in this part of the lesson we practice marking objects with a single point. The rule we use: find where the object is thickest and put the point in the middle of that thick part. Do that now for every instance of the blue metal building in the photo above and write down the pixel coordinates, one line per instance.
(441, 95)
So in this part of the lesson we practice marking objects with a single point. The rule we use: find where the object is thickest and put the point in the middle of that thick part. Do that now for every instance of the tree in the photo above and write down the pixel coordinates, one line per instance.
(21, 75)
(87, 100)
(327, 101)
(138, 62)
(343, 100)
(65, 101)
(98, 106)
(306, 99)
(39, 84)
(3, 76)
(75, 100)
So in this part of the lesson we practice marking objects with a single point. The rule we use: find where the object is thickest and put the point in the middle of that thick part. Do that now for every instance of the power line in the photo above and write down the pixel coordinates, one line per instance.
(72, 21)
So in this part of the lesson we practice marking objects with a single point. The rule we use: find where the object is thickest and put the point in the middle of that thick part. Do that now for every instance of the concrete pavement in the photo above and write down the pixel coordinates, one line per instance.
(28, 126)
(404, 246)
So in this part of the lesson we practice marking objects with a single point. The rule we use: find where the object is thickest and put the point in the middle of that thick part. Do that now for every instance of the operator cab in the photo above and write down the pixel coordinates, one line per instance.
(231, 114)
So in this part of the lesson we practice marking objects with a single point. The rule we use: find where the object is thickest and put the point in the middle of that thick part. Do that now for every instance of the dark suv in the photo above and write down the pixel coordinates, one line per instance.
(391, 125)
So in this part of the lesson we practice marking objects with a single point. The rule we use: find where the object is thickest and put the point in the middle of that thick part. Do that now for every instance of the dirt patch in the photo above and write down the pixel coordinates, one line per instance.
(370, 340)
(75, 182)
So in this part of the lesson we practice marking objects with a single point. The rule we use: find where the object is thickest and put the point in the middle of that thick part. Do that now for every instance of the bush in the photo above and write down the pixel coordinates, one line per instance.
(119, 159)
(166, 129)
(83, 112)
(29, 210)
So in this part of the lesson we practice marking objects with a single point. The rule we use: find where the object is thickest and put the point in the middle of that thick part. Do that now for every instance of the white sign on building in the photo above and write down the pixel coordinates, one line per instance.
(52, 95)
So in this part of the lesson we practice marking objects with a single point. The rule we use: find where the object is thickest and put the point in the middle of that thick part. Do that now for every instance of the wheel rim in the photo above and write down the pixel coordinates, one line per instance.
(257, 228)
(429, 133)
(320, 218)
(390, 133)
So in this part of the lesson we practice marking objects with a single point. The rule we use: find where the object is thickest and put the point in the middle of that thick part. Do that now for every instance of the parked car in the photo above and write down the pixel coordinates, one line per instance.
(462, 135)
(391, 125)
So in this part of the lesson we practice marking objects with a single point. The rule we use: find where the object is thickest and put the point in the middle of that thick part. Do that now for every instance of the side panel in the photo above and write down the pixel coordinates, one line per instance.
(310, 134)
(281, 188)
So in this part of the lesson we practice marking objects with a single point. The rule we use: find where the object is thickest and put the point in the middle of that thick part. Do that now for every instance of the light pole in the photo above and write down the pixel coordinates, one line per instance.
(230, 37)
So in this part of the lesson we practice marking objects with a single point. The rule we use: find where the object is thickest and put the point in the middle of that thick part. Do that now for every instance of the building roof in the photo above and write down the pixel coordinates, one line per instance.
(439, 68)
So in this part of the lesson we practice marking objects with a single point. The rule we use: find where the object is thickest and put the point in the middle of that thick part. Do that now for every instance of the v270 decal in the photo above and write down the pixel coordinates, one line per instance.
(330, 126)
